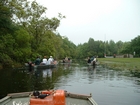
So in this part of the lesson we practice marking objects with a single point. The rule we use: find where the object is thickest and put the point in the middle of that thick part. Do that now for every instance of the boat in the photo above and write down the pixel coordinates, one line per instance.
(47, 97)
(65, 61)
(41, 66)
(91, 64)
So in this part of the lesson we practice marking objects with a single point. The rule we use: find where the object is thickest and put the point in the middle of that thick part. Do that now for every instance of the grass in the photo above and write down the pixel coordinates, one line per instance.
(121, 63)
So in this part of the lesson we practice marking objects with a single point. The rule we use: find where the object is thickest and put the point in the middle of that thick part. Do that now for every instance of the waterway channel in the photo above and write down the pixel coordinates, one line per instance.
(107, 86)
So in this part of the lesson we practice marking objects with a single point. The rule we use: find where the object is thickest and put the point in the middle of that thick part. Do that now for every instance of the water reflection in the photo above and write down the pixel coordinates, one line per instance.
(47, 73)
(66, 66)
(108, 86)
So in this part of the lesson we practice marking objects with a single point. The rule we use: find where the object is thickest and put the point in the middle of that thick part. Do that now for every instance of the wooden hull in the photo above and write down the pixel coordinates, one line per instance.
(24, 99)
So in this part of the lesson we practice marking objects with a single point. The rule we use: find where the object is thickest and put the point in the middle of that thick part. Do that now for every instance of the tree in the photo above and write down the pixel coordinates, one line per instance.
(135, 46)
(6, 25)
(22, 47)
(6, 34)
(68, 48)
(32, 17)
(119, 46)
(126, 49)
(112, 47)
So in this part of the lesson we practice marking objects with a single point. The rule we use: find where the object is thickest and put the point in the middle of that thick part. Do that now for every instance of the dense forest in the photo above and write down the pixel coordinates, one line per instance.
(27, 33)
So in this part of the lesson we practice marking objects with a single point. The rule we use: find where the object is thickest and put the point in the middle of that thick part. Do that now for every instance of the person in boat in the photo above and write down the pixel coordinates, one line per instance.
(88, 61)
(94, 61)
(68, 59)
(50, 60)
(30, 65)
(55, 62)
(92, 58)
(44, 61)
(64, 60)
(37, 61)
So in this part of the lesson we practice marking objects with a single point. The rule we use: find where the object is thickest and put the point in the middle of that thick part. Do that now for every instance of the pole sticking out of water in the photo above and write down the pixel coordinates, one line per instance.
(105, 47)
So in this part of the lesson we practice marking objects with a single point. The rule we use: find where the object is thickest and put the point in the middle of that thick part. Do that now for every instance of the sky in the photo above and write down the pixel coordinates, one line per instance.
(105, 20)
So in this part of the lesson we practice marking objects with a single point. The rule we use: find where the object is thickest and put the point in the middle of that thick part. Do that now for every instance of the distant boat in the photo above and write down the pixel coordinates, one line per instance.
(65, 61)
(47, 97)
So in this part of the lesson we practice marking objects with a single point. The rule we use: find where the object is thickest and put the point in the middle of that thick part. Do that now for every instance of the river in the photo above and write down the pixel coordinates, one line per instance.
(107, 86)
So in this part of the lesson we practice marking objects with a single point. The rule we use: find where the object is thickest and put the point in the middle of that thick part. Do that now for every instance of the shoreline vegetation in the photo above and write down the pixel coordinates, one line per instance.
(115, 63)
(132, 64)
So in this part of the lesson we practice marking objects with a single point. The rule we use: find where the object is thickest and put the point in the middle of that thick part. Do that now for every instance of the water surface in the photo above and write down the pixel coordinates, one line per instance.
(107, 86)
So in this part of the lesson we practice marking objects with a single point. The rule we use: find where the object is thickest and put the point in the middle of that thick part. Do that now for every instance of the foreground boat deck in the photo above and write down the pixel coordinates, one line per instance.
(23, 99)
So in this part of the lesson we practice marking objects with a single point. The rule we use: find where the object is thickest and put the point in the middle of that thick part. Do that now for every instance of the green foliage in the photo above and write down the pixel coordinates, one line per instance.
(5, 60)
(22, 38)
(27, 33)
(99, 48)
(68, 48)
(123, 63)
(7, 45)
(112, 47)
(22, 47)
(135, 46)
(5, 18)
(126, 48)
(119, 45)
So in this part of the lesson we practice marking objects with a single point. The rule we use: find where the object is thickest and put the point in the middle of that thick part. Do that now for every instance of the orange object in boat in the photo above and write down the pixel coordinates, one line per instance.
(46, 92)
(55, 98)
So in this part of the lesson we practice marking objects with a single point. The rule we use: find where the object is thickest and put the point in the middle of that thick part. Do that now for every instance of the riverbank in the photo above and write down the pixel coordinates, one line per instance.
(121, 63)
(13, 65)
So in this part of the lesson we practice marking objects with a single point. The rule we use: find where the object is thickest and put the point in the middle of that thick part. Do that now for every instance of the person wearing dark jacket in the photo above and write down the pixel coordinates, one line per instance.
(89, 61)
(37, 61)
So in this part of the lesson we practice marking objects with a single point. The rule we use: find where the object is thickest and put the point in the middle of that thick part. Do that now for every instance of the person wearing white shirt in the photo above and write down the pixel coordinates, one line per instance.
(94, 59)
(50, 60)
(44, 61)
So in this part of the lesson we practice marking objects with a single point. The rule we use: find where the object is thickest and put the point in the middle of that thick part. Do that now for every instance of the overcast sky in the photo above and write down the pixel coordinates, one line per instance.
(98, 19)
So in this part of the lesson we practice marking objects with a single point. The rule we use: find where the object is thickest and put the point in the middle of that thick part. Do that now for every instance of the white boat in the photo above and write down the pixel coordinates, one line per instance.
(49, 97)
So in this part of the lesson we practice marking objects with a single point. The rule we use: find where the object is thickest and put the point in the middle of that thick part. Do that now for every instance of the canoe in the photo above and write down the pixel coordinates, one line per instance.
(91, 64)
(41, 66)
(47, 97)
(65, 61)
(44, 66)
